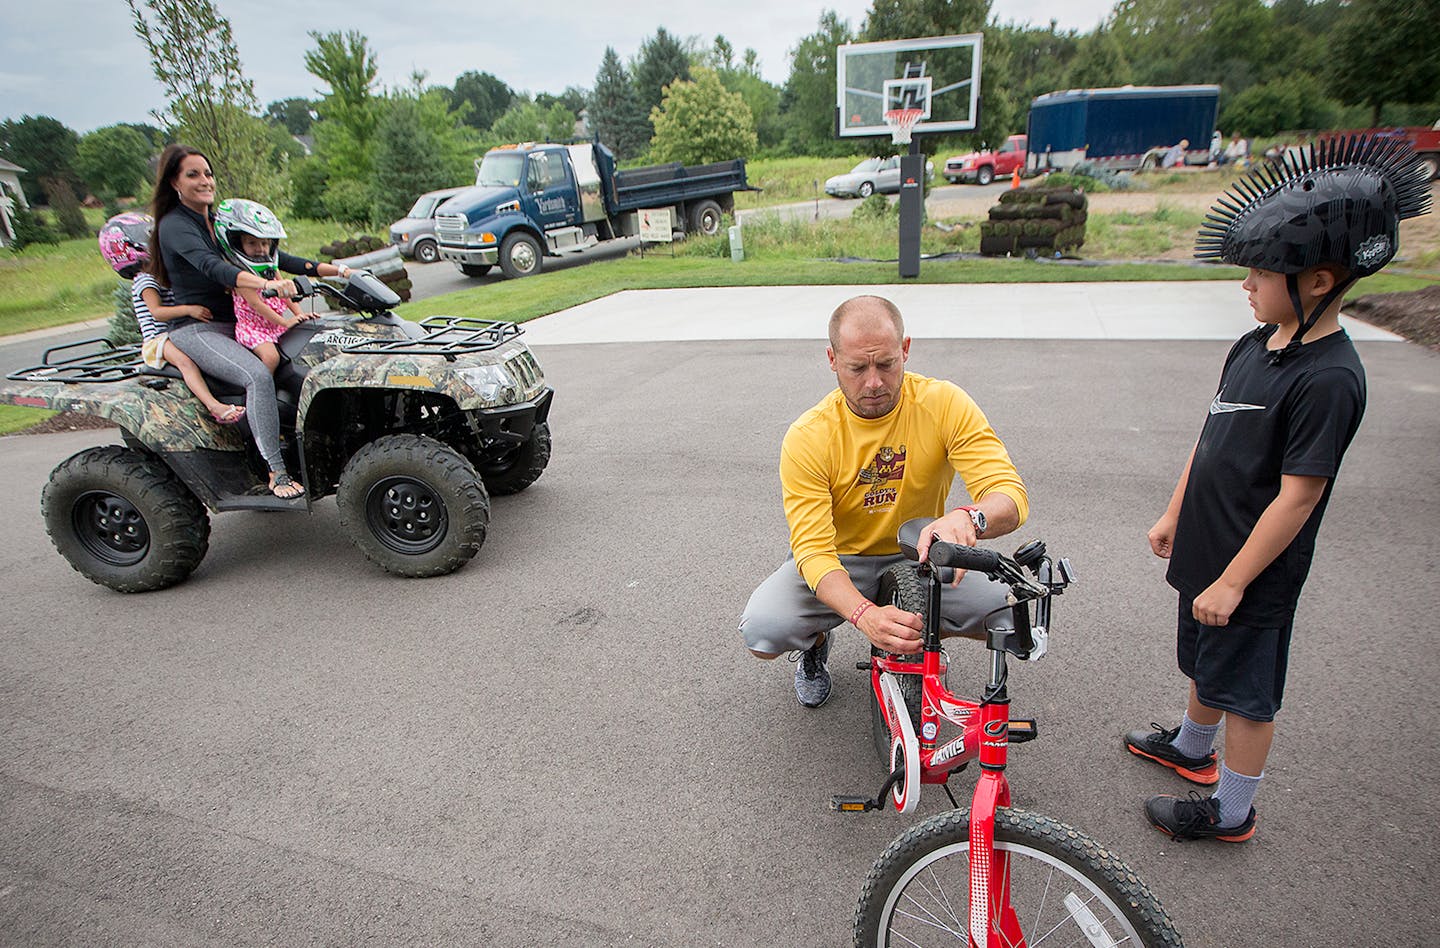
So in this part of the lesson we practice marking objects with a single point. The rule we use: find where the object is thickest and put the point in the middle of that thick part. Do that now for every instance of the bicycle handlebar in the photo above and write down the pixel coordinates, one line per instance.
(963, 557)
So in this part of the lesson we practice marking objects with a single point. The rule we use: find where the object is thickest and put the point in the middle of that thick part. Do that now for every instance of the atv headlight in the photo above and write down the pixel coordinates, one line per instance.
(491, 382)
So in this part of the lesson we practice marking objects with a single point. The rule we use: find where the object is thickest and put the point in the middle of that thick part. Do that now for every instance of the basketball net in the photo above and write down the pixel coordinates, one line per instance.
(902, 123)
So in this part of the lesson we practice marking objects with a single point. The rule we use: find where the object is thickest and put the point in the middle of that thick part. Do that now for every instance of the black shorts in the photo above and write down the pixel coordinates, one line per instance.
(1236, 668)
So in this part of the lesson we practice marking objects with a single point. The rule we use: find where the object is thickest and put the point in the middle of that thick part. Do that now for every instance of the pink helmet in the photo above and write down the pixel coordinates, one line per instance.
(124, 242)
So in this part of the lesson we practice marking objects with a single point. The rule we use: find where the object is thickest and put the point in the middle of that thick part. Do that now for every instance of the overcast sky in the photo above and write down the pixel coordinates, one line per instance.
(79, 60)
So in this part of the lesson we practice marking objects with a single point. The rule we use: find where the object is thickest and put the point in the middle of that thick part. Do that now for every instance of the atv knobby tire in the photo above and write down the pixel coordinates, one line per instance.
(518, 468)
(123, 520)
(413, 505)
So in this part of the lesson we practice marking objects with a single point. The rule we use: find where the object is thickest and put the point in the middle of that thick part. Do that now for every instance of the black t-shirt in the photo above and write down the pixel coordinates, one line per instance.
(1297, 417)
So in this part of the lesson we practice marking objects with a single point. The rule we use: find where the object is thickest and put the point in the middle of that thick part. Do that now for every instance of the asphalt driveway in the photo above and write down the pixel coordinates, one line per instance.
(565, 744)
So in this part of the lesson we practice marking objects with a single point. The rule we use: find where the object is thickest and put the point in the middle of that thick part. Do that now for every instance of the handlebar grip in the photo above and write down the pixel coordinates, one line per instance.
(963, 557)
(269, 294)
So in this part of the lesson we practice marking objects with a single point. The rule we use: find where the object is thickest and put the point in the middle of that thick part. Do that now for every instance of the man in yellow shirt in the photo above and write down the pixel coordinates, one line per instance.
(883, 448)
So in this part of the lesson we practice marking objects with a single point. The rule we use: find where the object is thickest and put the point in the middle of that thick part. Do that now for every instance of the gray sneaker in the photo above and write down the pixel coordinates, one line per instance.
(812, 678)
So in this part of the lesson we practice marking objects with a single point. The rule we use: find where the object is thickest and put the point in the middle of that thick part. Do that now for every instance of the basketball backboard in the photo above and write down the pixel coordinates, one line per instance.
(938, 75)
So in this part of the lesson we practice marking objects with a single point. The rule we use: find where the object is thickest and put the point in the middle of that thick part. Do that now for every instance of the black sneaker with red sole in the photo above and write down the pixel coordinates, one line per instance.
(1157, 745)
(1195, 817)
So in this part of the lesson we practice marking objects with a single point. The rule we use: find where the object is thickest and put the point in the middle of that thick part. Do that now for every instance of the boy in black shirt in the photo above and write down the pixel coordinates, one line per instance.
(1239, 531)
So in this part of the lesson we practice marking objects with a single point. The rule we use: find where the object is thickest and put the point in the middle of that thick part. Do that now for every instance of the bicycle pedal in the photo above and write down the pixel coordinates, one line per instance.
(848, 804)
(1023, 731)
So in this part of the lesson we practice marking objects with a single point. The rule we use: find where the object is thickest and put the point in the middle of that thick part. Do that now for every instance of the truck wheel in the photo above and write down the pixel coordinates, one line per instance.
(413, 506)
(985, 175)
(520, 256)
(1431, 164)
(516, 469)
(866, 189)
(475, 269)
(123, 520)
(426, 251)
(705, 218)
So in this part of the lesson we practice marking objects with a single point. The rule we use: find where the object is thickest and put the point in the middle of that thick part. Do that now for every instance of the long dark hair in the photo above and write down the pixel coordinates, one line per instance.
(166, 199)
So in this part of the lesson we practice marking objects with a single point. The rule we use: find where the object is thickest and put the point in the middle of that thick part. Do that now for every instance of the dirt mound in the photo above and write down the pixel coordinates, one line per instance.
(1414, 315)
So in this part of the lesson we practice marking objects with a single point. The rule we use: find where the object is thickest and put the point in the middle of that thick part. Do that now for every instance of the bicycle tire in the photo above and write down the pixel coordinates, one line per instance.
(900, 586)
(918, 888)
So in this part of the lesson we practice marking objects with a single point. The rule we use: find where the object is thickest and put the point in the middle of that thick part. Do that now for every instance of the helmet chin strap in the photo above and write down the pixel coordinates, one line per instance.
(1292, 283)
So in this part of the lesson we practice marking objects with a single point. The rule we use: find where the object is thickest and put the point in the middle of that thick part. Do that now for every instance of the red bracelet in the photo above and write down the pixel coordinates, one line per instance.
(859, 611)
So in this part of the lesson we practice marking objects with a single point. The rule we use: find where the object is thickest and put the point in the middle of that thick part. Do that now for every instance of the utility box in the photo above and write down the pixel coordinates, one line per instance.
(737, 244)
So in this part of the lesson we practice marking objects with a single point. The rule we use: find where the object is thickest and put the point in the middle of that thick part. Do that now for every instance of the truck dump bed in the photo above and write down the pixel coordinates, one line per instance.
(661, 185)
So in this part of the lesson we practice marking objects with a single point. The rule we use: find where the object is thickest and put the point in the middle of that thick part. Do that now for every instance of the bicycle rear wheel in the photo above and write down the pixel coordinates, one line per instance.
(1066, 889)
(899, 586)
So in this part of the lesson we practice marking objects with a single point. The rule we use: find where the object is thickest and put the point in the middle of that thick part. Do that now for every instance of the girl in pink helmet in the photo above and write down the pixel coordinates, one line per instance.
(123, 242)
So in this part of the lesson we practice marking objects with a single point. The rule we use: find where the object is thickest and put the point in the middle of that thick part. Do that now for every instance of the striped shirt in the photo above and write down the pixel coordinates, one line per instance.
(149, 325)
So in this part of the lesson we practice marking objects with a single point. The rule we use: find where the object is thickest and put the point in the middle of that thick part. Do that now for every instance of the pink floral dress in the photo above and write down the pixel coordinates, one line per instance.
(252, 329)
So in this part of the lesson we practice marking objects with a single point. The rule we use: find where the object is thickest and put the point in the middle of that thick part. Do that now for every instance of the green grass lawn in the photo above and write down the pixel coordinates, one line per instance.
(14, 418)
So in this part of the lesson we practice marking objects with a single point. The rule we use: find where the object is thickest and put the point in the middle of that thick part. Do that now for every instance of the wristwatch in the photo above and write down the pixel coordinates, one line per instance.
(977, 517)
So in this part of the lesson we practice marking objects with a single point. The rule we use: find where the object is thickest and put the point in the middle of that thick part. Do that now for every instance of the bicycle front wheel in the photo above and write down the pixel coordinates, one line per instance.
(1066, 888)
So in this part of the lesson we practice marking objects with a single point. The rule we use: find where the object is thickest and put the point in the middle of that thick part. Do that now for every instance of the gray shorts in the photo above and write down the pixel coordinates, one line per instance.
(783, 615)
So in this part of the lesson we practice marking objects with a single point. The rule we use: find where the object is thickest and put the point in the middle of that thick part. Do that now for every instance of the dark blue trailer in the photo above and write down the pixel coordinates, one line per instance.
(1120, 128)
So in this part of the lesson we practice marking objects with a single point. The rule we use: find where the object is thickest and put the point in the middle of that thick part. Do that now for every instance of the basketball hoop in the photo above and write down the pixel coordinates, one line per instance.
(902, 123)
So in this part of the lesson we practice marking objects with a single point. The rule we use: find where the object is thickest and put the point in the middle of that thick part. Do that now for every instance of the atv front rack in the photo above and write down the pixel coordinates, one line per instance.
(448, 336)
(111, 363)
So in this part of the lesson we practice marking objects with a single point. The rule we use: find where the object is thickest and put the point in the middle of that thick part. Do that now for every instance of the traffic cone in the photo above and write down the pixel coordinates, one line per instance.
(1015, 179)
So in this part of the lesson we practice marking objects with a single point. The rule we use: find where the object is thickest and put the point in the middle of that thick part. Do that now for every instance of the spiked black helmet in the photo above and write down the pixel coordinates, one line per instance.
(1340, 201)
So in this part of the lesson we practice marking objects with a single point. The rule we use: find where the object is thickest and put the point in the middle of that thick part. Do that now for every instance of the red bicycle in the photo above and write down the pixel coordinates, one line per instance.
(991, 876)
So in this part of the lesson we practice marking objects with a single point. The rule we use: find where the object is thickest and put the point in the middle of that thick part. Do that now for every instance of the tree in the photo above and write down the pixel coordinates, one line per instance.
(294, 115)
(345, 134)
(487, 97)
(114, 161)
(44, 147)
(699, 121)
(1292, 102)
(1099, 63)
(416, 150)
(1387, 51)
(807, 103)
(1040, 57)
(744, 78)
(211, 102)
(526, 121)
(615, 114)
(66, 207)
(662, 60)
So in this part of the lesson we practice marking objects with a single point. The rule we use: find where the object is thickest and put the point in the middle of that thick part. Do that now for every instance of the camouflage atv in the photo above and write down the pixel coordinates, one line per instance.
(411, 427)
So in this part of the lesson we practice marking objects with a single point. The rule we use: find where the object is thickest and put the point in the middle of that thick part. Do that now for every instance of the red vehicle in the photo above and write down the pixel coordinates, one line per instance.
(982, 167)
(1425, 141)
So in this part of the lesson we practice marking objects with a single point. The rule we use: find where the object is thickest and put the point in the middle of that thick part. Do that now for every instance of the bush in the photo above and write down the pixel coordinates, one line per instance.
(876, 207)
(66, 206)
(123, 329)
(349, 202)
(30, 228)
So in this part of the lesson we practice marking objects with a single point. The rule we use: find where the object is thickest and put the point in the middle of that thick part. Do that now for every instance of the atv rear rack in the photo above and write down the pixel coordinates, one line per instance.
(111, 363)
(448, 336)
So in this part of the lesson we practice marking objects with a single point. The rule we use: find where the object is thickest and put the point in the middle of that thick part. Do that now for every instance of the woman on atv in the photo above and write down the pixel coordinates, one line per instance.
(185, 255)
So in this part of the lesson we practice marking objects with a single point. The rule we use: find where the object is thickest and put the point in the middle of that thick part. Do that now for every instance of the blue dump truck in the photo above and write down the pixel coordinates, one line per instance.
(532, 201)
(1128, 127)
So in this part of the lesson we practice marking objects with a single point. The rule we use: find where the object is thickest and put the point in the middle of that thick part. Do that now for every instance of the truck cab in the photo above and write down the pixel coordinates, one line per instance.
(984, 166)
(528, 200)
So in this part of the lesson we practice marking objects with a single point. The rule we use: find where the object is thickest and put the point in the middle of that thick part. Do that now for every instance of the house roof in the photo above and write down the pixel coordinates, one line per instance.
(8, 166)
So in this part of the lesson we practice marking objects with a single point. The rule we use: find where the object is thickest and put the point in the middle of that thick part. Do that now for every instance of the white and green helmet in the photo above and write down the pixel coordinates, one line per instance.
(235, 217)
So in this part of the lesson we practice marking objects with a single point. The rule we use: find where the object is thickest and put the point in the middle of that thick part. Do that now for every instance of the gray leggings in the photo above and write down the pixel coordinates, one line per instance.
(212, 346)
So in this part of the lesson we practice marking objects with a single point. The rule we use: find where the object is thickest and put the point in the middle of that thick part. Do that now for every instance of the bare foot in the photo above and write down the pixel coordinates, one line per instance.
(284, 486)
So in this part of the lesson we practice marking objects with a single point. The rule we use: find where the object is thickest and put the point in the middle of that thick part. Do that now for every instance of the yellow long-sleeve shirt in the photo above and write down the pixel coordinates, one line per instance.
(849, 482)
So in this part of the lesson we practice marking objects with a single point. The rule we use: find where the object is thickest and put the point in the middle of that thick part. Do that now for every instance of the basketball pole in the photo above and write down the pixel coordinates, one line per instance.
(912, 209)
